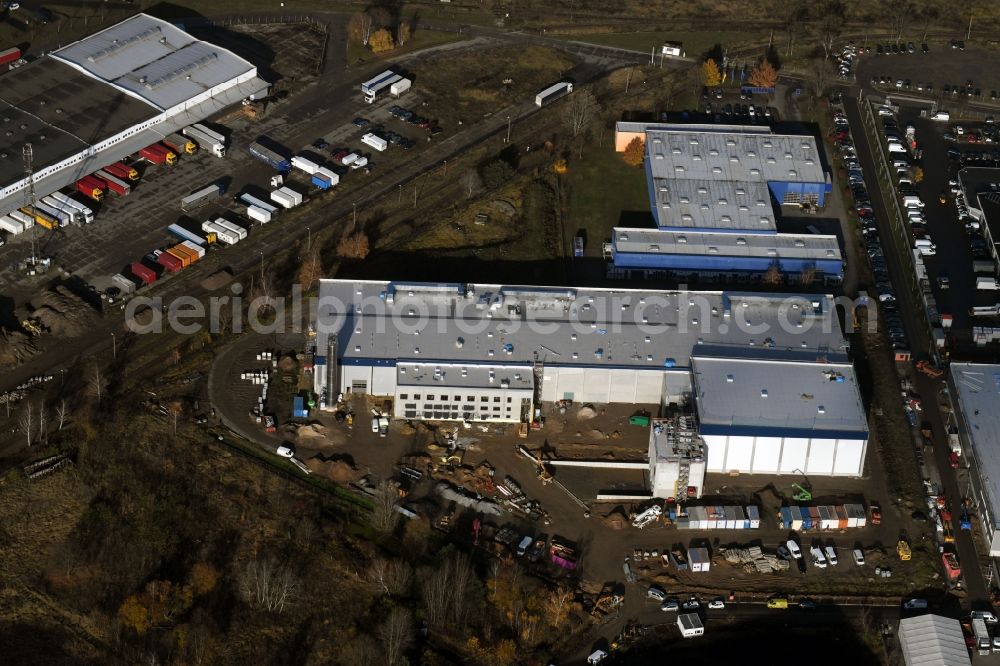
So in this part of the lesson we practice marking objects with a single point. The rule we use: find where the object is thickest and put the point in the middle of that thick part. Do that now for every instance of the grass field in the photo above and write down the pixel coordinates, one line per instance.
(601, 191)
(422, 39)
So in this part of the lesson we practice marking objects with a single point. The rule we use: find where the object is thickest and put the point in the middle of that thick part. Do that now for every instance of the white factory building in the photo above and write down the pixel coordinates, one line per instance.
(108, 95)
(487, 352)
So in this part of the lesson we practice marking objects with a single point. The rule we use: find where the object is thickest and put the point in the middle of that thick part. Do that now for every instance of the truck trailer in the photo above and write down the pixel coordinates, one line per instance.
(306, 165)
(158, 154)
(10, 225)
(258, 214)
(201, 197)
(295, 196)
(180, 144)
(268, 156)
(322, 181)
(75, 215)
(122, 171)
(206, 139)
(10, 55)
(982, 635)
(240, 232)
(116, 185)
(400, 87)
(41, 217)
(282, 199)
(88, 214)
(223, 234)
(91, 187)
(553, 93)
(26, 221)
(145, 274)
(63, 218)
(251, 200)
(372, 87)
(170, 262)
(185, 234)
(376, 142)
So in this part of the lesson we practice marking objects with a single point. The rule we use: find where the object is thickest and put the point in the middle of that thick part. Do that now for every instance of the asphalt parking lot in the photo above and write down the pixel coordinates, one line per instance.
(940, 67)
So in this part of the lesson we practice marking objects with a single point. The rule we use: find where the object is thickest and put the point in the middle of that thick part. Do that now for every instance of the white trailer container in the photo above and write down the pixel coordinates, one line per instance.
(302, 164)
(88, 214)
(376, 142)
(201, 197)
(282, 199)
(65, 219)
(690, 625)
(296, 197)
(553, 93)
(987, 284)
(10, 225)
(258, 214)
(75, 216)
(348, 159)
(194, 247)
(400, 87)
(240, 232)
(125, 285)
(206, 139)
(251, 200)
(372, 87)
(221, 233)
(330, 175)
(699, 560)
(25, 219)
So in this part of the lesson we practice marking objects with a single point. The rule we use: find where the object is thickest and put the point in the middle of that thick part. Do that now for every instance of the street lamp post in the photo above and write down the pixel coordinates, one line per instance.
(114, 348)
(446, 168)
(507, 140)
(354, 220)
(309, 238)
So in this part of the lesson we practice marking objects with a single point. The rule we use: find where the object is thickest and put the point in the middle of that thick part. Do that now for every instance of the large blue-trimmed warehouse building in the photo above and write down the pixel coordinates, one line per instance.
(713, 191)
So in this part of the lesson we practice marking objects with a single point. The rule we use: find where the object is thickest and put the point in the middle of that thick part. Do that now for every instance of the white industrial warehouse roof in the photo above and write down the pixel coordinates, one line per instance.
(933, 640)
(154, 61)
(776, 397)
(978, 388)
(788, 246)
(455, 375)
(380, 322)
(627, 126)
(720, 204)
(720, 153)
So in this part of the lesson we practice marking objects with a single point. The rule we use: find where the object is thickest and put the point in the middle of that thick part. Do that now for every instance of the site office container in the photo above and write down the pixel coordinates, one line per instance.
(295, 196)
(222, 234)
(186, 256)
(194, 247)
(9, 55)
(842, 517)
(91, 187)
(240, 232)
(116, 185)
(251, 200)
(172, 263)
(282, 199)
(145, 274)
(376, 142)
(123, 171)
(258, 214)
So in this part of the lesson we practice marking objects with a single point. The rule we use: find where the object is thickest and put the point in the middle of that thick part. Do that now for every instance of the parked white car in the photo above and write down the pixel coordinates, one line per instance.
(831, 554)
(793, 548)
(859, 557)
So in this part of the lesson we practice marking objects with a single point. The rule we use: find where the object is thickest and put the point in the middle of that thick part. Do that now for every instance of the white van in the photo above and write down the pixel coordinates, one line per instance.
(896, 148)
(941, 115)
(522, 547)
(859, 557)
(912, 200)
(925, 247)
(831, 554)
(987, 284)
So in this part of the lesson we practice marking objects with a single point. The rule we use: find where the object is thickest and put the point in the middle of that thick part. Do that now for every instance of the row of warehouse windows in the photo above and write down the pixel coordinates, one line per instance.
(458, 398)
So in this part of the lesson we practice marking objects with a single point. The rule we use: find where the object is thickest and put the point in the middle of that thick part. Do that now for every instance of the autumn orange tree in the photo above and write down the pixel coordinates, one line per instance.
(763, 75)
(381, 41)
(403, 32)
(710, 73)
(354, 246)
(635, 152)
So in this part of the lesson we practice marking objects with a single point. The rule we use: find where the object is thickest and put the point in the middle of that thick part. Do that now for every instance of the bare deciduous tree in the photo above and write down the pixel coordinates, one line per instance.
(384, 515)
(396, 633)
(471, 182)
(42, 422)
(390, 576)
(361, 27)
(61, 414)
(267, 585)
(580, 110)
(96, 382)
(445, 589)
(26, 423)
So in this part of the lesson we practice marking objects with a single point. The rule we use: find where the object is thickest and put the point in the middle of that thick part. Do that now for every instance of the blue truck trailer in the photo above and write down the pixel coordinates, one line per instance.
(268, 156)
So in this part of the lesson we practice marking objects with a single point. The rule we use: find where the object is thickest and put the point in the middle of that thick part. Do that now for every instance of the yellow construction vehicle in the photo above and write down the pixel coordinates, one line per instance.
(31, 326)
(903, 550)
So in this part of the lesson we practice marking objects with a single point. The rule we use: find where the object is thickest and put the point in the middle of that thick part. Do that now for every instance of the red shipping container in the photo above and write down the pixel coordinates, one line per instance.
(9, 55)
(170, 262)
(143, 272)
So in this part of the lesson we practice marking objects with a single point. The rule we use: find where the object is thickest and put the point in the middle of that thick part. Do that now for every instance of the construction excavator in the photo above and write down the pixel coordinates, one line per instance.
(801, 494)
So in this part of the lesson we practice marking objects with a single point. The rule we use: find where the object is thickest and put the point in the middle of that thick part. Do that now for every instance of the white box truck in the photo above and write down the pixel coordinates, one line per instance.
(400, 87)
(295, 196)
(553, 93)
(359, 163)
(258, 214)
(376, 142)
(282, 199)
(251, 200)
(303, 164)
(206, 139)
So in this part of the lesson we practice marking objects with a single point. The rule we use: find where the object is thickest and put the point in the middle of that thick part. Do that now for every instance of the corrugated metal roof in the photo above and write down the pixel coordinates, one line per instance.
(489, 324)
(978, 395)
(694, 242)
(933, 640)
(154, 60)
(776, 395)
(713, 204)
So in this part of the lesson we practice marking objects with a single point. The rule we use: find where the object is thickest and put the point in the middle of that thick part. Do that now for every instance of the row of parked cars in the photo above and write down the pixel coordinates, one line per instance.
(901, 49)
(657, 593)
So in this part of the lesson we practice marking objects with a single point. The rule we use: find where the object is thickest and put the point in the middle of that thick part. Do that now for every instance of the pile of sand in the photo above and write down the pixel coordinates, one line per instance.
(586, 412)
(311, 431)
(335, 470)
(286, 364)
(616, 520)
(60, 312)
